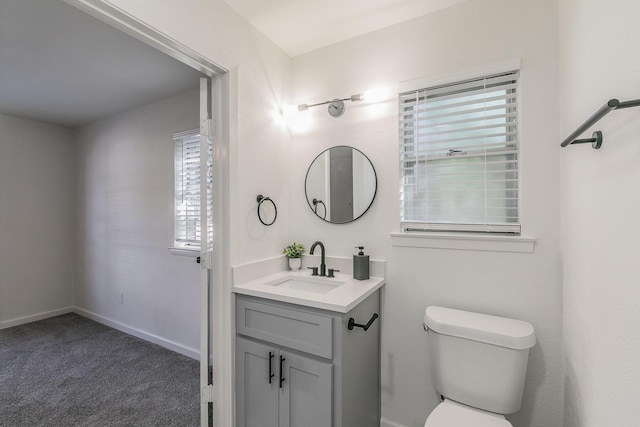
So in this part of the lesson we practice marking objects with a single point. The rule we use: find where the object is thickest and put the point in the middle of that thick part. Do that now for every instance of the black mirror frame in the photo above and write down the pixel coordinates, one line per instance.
(316, 202)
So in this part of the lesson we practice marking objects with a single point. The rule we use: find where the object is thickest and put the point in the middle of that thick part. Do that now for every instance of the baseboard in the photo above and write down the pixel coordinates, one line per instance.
(386, 423)
(35, 317)
(171, 345)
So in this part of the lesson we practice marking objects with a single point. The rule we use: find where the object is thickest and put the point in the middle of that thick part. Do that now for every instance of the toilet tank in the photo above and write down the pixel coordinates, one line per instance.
(477, 359)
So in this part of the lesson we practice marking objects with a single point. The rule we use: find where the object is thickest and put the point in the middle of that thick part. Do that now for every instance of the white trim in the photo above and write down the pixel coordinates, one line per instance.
(225, 115)
(469, 242)
(127, 23)
(34, 317)
(193, 353)
(461, 75)
(194, 253)
(205, 282)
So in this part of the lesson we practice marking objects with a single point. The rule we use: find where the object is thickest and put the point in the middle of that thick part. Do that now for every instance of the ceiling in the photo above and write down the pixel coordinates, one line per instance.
(60, 65)
(300, 26)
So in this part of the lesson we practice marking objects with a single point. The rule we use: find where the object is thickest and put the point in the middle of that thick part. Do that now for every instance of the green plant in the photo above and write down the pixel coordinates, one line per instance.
(294, 250)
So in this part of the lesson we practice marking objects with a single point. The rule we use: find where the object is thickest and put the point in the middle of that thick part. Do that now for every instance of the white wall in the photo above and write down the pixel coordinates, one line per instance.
(524, 286)
(259, 81)
(124, 270)
(600, 229)
(261, 76)
(36, 218)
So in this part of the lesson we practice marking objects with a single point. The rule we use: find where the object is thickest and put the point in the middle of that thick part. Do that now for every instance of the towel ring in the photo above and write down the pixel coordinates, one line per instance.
(261, 199)
(317, 202)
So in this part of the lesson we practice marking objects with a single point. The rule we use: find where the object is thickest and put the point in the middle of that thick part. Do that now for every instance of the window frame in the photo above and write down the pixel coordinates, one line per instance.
(182, 245)
(428, 83)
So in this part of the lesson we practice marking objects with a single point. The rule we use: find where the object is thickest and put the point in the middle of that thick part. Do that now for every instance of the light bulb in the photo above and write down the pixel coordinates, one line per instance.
(376, 94)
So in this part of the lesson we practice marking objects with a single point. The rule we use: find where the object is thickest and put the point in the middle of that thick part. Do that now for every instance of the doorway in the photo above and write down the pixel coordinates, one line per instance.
(40, 14)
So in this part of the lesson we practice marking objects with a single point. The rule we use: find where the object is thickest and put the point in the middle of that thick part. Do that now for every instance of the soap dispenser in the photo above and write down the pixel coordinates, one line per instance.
(361, 265)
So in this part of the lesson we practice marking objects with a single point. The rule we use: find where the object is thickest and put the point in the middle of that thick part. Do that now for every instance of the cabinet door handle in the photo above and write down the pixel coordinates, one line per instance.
(271, 374)
(281, 370)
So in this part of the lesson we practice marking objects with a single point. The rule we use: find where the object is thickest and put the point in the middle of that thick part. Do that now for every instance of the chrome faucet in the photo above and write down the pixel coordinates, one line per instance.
(323, 266)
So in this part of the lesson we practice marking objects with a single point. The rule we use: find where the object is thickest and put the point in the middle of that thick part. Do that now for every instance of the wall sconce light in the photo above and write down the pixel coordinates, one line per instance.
(336, 106)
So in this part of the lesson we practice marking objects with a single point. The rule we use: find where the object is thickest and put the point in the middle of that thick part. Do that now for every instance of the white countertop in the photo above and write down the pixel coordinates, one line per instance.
(348, 294)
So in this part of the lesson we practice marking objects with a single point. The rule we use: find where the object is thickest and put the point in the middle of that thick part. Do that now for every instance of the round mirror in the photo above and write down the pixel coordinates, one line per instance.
(340, 185)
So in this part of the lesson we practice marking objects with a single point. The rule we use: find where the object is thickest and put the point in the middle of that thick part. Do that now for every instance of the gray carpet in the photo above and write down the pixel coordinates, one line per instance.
(71, 371)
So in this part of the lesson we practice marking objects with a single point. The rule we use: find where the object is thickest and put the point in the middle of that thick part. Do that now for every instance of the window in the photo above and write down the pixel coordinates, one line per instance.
(187, 220)
(459, 156)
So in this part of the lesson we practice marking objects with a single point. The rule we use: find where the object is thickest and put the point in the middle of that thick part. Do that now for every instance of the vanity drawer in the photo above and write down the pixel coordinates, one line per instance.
(295, 329)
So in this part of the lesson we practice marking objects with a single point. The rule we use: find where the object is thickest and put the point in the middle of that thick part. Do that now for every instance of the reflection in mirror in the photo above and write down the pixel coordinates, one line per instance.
(340, 185)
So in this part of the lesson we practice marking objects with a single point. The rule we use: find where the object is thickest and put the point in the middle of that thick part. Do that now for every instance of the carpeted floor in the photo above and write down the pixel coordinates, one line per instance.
(71, 371)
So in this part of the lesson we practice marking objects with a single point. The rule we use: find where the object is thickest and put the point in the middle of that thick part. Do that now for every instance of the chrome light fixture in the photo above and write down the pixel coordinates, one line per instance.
(335, 107)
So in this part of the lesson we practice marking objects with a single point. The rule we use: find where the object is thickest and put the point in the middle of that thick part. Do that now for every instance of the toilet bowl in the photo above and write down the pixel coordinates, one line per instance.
(478, 364)
(453, 414)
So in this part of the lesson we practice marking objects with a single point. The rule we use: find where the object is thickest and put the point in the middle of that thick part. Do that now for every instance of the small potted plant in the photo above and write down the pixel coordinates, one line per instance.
(294, 253)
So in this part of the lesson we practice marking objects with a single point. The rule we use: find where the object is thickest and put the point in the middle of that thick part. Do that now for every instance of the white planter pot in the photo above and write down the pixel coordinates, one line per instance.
(295, 264)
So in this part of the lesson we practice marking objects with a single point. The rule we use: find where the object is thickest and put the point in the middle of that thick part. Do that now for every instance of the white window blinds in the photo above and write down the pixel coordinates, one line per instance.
(459, 156)
(187, 189)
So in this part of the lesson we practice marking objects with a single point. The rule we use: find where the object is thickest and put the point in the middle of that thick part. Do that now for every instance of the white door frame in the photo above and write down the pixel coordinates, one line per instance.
(206, 255)
(220, 297)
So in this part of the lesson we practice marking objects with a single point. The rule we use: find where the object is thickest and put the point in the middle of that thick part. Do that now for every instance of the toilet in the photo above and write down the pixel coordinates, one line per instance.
(478, 364)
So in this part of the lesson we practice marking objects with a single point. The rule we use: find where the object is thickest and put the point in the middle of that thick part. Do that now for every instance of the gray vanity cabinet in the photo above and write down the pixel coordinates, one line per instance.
(257, 390)
(294, 392)
(302, 367)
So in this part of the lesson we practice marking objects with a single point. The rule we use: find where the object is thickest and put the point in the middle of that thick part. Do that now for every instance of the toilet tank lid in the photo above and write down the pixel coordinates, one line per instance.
(500, 331)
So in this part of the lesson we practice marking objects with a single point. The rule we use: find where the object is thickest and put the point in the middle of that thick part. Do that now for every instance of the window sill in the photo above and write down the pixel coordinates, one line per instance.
(192, 252)
(466, 242)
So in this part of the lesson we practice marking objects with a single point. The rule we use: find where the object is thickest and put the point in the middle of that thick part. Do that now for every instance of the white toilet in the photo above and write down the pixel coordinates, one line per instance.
(478, 364)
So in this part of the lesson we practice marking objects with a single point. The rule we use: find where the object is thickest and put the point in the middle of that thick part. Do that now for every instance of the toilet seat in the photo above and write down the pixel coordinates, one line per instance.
(453, 414)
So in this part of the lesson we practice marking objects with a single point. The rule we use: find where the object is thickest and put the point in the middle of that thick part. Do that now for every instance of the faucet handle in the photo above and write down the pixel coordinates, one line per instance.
(314, 270)
(331, 271)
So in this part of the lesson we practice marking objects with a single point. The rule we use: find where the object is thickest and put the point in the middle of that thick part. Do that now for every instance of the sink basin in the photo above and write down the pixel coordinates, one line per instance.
(316, 286)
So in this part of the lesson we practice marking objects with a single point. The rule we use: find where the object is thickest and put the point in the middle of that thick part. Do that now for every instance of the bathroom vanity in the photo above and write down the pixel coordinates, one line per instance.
(308, 351)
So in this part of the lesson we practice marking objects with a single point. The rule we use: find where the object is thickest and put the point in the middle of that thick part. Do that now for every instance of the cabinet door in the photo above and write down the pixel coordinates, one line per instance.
(306, 396)
(256, 392)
